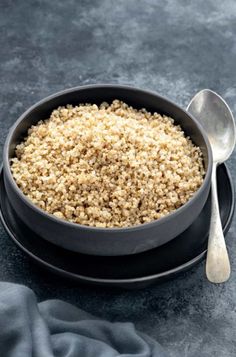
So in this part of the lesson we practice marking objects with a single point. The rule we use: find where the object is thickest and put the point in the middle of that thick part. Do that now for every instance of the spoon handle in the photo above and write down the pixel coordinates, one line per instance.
(217, 263)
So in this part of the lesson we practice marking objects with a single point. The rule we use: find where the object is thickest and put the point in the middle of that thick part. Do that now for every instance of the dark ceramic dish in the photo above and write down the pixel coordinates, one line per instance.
(106, 241)
(130, 271)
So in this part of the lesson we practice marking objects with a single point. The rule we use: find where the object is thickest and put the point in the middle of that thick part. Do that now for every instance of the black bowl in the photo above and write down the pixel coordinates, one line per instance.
(106, 241)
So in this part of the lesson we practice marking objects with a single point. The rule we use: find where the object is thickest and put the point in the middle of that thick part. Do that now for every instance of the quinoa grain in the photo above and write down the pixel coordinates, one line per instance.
(107, 166)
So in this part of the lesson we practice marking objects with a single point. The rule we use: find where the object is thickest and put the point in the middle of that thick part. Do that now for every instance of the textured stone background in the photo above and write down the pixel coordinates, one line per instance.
(173, 47)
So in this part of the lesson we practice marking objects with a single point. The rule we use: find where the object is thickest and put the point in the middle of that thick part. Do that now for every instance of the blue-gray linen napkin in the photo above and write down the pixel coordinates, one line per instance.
(56, 328)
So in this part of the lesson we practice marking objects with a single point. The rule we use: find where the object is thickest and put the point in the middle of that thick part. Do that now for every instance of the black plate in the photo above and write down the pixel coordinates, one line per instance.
(131, 271)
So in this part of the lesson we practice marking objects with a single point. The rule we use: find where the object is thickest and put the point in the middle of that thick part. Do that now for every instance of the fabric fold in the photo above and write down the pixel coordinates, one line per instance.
(54, 328)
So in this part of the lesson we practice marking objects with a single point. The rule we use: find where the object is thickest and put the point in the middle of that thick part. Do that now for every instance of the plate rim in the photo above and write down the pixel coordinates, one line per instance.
(129, 281)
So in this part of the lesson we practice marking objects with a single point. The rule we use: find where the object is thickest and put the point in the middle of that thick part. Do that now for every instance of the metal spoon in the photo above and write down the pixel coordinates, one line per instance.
(217, 120)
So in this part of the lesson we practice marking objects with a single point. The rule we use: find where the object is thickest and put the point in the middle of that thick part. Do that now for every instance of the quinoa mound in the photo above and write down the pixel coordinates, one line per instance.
(108, 165)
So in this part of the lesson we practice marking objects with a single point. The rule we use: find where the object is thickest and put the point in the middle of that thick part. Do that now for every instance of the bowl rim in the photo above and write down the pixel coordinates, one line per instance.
(160, 221)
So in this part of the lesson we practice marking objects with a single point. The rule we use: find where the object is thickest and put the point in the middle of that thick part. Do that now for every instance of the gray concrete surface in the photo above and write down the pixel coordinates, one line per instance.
(173, 47)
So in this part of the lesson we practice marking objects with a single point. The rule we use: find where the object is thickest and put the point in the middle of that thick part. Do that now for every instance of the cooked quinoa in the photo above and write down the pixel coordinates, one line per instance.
(108, 165)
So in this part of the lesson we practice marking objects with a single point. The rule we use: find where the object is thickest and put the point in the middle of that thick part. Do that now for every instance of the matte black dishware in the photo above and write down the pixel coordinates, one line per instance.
(106, 241)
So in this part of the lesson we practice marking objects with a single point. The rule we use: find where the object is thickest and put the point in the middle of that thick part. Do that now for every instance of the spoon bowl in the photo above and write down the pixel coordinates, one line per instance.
(217, 119)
